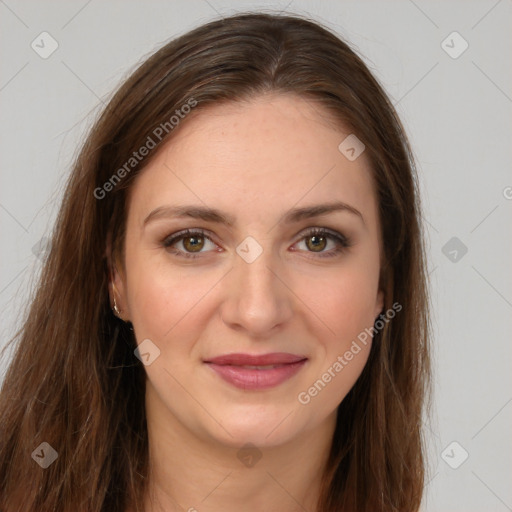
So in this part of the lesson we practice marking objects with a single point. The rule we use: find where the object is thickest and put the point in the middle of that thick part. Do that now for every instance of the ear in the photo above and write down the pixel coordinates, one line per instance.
(385, 286)
(116, 285)
(379, 304)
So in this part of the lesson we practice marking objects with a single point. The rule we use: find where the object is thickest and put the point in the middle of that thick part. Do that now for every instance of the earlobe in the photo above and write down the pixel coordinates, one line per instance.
(115, 307)
(115, 282)
(379, 304)
(116, 290)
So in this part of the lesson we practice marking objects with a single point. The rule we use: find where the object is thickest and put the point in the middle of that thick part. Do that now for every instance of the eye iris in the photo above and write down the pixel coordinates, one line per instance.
(319, 242)
(193, 243)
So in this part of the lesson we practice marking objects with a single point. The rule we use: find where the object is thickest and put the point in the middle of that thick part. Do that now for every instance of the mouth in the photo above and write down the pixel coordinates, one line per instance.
(251, 372)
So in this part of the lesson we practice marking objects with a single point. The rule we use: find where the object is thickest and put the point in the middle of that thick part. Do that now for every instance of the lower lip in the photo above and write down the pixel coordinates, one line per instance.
(247, 378)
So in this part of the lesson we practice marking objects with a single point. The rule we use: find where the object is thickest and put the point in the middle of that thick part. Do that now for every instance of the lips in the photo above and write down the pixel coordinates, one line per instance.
(254, 372)
(250, 360)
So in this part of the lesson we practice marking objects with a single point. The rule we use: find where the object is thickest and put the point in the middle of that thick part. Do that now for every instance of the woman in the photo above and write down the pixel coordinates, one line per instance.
(233, 313)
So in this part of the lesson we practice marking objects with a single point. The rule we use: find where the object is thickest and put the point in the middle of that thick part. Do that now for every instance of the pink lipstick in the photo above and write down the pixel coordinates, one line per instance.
(256, 372)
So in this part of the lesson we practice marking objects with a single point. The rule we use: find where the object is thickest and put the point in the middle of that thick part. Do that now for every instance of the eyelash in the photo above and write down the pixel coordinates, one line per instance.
(342, 241)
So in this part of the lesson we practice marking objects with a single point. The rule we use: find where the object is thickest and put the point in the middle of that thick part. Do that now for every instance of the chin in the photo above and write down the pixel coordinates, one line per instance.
(262, 426)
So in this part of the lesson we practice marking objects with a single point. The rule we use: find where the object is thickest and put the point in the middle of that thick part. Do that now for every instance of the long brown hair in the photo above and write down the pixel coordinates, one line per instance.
(74, 381)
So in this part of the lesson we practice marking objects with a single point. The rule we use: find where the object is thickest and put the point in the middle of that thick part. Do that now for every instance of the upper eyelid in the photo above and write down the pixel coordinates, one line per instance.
(180, 235)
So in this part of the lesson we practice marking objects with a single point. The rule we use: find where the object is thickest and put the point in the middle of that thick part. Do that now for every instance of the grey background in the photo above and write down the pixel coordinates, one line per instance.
(457, 112)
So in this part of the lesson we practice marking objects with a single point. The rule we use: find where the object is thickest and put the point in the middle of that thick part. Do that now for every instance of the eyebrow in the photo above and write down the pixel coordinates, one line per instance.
(215, 215)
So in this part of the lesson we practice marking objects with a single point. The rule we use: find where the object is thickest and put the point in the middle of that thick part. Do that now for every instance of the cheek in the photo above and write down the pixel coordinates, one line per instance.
(161, 298)
(345, 351)
(345, 302)
(345, 299)
(348, 305)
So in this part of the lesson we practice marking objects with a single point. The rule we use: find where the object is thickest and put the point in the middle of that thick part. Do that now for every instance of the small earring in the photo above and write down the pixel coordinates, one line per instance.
(116, 309)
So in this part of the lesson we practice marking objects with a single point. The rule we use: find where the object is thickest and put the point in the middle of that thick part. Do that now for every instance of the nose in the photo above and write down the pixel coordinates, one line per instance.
(257, 299)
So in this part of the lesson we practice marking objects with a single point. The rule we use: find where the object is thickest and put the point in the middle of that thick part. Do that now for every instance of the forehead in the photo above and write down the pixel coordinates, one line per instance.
(256, 157)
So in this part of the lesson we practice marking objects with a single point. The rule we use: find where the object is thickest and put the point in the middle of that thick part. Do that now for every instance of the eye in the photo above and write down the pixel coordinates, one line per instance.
(192, 242)
(316, 240)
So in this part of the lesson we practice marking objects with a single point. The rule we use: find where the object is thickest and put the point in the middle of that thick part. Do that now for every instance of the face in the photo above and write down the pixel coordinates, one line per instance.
(250, 289)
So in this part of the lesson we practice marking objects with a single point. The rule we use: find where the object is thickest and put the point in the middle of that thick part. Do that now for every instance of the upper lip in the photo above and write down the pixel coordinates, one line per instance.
(256, 360)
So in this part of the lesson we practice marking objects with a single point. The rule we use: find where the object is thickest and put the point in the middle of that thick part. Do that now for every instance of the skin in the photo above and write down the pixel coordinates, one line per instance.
(254, 160)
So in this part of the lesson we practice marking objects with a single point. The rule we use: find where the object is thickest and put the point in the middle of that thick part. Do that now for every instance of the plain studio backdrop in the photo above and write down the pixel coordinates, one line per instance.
(446, 66)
